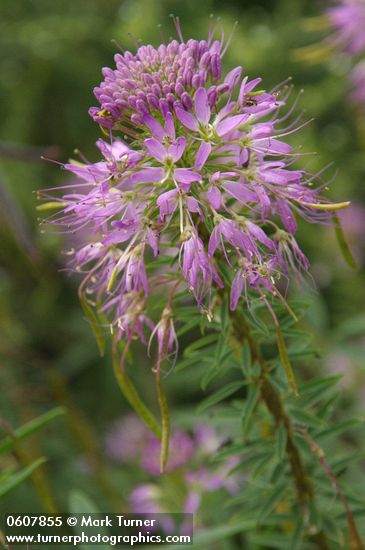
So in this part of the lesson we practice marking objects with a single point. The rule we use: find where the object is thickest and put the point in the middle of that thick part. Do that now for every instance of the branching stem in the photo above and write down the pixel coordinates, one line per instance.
(274, 404)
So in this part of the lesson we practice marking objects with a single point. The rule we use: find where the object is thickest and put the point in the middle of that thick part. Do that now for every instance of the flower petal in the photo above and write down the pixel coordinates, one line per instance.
(147, 175)
(202, 109)
(154, 125)
(236, 290)
(239, 191)
(155, 149)
(214, 197)
(229, 124)
(260, 235)
(185, 177)
(167, 202)
(187, 119)
(202, 155)
(214, 241)
(170, 126)
(177, 149)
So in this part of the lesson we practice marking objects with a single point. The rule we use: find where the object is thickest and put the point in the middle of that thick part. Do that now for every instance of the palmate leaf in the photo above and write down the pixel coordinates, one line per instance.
(190, 361)
(220, 395)
(261, 467)
(309, 420)
(296, 539)
(252, 397)
(7, 443)
(339, 464)
(247, 461)
(216, 367)
(286, 361)
(246, 359)
(316, 389)
(200, 343)
(16, 479)
(273, 499)
(339, 428)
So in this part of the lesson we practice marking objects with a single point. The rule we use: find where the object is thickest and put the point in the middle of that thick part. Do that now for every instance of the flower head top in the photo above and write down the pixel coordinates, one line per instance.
(155, 80)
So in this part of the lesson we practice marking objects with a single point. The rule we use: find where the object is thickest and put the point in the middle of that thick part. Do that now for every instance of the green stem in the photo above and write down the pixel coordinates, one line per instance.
(165, 420)
(130, 393)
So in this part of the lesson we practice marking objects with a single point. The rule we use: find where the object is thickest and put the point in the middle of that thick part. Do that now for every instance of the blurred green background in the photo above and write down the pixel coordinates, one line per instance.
(51, 54)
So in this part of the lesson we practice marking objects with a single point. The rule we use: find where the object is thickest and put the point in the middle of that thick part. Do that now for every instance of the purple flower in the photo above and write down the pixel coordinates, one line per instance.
(181, 452)
(194, 475)
(125, 439)
(204, 180)
(197, 267)
(347, 18)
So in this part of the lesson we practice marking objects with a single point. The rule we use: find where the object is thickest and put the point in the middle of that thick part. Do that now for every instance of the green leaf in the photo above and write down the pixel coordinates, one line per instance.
(30, 427)
(79, 503)
(296, 540)
(339, 464)
(189, 361)
(130, 393)
(188, 326)
(95, 325)
(16, 479)
(201, 343)
(205, 539)
(309, 420)
(252, 396)
(222, 532)
(285, 361)
(278, 472)
(322, 384)
(340, 427)
(215, 369)
(246, 359)
(271, 540)
(219, 395)
(261, 465)
(344, 247)
(224, 317)
(273, 499)
(248, 460)
(353, 326)
(314, 391)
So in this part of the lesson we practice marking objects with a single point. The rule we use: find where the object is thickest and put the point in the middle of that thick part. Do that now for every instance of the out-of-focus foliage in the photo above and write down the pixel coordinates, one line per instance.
(50, 58)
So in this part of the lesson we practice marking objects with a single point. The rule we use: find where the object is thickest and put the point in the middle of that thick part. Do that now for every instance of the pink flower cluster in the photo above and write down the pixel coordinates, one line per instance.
(348, 20)
(128, 441)
(202, 190)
